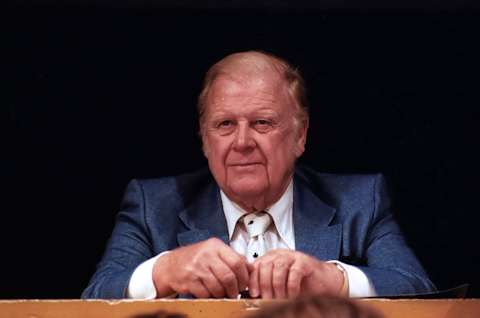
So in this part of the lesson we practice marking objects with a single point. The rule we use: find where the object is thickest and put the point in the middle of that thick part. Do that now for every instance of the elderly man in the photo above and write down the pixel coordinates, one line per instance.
(254, 221)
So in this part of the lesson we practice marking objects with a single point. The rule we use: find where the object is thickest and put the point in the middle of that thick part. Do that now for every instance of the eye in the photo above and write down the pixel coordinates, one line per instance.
(262, 122)
(225, 124)
(263, 125)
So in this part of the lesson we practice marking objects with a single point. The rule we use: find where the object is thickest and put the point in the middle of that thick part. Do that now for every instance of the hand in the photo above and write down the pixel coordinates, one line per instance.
(283, 273)
(206, 269)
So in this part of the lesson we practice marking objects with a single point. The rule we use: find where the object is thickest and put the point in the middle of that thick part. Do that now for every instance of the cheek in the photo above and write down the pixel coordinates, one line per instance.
(220, 147)
(281, 152)
(215, 150)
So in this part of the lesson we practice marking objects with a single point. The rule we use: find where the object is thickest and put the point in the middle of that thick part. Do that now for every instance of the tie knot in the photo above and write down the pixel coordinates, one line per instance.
(257, 223)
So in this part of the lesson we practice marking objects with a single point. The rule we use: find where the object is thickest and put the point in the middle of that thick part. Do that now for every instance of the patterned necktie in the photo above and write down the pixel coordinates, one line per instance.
(256, 224)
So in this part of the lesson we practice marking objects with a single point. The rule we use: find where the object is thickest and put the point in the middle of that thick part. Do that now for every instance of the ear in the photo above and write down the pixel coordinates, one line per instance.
(301, 138)
(205, 146)
(205, 151)
(201, 135)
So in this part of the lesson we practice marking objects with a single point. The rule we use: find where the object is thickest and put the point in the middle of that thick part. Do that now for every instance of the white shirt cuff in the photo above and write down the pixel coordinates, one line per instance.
(358, 283)
(141, 284)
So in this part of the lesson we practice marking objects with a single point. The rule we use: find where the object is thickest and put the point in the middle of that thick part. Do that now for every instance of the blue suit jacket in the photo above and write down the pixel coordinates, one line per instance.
(346, 217)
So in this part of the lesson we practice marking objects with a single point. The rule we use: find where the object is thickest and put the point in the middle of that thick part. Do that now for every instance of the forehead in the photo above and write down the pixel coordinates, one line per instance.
(247, 91)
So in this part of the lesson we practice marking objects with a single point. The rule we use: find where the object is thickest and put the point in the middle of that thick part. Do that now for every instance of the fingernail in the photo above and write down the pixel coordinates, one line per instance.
(253, 293)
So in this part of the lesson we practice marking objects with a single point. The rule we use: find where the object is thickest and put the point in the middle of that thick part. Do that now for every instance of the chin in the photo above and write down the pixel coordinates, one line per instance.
(248, 188)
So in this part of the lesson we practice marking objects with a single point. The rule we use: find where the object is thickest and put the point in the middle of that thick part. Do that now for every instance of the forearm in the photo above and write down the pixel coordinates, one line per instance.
(127, 247)
(359, 285)
(142, 284)
(393, 281)
(108, 285)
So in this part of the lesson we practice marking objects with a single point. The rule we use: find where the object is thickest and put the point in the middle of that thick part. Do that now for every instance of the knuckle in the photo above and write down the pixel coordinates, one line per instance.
(237, 264)
(228, 278)
(213, 241)
(270, 253)
(258, 263)
(296, 270)
(267, 263)
(303, 258)
(293, 274)
(189, 270)
(280, 264)
(196, 260)
(284, 253)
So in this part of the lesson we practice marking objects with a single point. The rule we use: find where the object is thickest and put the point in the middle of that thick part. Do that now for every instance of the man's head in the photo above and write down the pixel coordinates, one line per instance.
(253, 123)
(317, 306)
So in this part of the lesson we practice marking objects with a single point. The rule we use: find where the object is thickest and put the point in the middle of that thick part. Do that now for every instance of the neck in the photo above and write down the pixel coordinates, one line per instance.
(260, 202)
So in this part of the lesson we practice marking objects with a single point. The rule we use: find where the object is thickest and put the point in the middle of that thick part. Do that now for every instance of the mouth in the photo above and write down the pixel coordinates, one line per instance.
(245, 167)
(244, 164)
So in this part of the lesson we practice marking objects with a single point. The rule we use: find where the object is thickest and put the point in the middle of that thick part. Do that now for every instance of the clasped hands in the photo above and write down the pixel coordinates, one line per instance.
(213, 269)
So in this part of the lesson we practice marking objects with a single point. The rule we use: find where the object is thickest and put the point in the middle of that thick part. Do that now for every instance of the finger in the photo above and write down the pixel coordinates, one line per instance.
(226, 277)
(265, 280)
(279, 278)
(295, 276)
(253, 285)
(238, 265)
(197, 289)
(250, 268)
(213, 285)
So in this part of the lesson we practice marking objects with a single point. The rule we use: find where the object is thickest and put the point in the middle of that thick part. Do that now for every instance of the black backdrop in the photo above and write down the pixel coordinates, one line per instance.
(96, 94)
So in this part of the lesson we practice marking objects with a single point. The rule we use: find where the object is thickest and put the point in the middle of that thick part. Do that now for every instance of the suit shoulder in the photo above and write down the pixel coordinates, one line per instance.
(174, 187)
(337, 180)
(336, 189)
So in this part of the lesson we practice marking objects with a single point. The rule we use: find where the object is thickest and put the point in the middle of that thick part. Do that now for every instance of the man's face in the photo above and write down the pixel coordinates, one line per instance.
(250, 138)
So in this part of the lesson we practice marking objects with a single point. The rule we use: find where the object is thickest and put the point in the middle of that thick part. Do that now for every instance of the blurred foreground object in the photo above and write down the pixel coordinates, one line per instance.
(318, 306)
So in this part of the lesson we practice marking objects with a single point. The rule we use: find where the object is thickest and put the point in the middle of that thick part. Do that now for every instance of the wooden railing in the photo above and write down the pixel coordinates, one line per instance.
(444, 308)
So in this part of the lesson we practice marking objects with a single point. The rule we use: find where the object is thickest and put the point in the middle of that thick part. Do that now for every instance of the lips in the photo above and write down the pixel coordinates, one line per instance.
(241, 164)
(247, 167)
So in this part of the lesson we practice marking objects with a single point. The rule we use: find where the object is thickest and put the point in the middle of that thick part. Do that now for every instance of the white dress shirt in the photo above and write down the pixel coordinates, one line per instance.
(280, 234)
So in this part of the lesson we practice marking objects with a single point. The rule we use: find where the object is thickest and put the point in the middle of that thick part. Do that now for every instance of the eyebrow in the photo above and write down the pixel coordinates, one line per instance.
(259, 112)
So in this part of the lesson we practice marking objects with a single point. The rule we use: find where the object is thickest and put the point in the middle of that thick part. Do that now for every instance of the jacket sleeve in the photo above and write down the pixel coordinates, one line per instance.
(391, 265)
(128, 246)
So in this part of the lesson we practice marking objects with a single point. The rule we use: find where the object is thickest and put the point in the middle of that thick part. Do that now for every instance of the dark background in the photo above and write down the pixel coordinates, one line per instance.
(96, 93)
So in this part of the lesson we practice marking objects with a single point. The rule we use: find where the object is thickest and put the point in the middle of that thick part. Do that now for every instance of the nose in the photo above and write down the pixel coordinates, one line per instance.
(243, 138)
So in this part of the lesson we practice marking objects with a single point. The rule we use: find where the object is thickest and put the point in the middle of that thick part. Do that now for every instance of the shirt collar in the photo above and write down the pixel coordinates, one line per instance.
(232, 213)
(281, 213)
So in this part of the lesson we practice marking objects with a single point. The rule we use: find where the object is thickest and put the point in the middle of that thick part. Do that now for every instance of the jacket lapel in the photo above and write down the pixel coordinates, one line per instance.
(314, 235)
(204, 218)
(311, 221)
